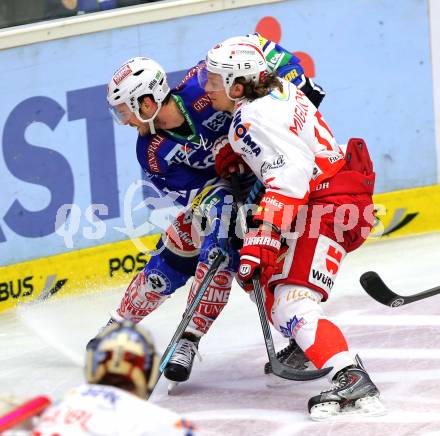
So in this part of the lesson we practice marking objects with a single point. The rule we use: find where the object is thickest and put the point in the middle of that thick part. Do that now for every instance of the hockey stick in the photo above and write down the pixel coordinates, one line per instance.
(278, 368)
(189, 312)
(23, 412)
(377, 289)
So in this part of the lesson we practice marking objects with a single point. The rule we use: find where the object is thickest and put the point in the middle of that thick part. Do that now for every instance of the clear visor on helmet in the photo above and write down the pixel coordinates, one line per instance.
(209, 81)
(120, 113)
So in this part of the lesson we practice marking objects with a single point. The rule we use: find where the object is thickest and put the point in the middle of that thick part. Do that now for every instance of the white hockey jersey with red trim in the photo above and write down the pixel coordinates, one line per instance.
(105, 410)
(288, 145)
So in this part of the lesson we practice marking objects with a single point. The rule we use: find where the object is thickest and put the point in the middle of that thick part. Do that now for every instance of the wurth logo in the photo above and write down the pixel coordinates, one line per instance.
(333, 259)
(323, 278)
(325, 264)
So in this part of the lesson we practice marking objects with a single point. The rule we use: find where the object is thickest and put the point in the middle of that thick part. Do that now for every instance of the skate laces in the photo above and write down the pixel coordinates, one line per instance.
(288, 349)
(185, 352)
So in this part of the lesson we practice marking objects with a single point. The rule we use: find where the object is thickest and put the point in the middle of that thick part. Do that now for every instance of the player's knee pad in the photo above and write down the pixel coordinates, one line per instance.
(140, 299)
(214, 299)
(150, 288)
(296, 312)
(295, 308)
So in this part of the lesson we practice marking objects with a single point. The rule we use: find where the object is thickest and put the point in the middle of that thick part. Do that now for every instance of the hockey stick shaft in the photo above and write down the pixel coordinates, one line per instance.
(377, 289)
(220, 257)
(278, 368)
(23, 412)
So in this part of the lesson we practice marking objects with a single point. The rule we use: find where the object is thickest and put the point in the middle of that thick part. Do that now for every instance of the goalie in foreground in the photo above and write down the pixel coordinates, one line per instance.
(120, 372)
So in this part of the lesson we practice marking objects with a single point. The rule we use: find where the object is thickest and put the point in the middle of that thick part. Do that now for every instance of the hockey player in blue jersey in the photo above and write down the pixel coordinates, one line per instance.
(178, 131)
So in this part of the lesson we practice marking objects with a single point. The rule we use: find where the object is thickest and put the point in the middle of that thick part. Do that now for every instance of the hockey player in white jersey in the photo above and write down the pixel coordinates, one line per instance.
(120, 374)
(310, 188)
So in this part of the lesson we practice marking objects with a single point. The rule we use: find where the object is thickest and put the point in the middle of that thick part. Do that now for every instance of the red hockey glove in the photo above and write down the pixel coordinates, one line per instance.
(226, 160)
(259, 252)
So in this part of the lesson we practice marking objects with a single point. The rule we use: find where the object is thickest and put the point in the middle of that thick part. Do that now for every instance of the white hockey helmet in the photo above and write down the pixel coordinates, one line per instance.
(137, 77)
(239, 56)
(124, 355)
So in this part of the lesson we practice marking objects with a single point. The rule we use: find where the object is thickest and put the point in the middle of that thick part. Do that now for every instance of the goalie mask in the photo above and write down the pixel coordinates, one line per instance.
(233, 58)
(135, 78)
(124, 356)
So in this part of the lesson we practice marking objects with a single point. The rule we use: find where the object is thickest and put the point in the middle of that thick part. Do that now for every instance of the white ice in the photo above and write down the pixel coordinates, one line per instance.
(42, 351)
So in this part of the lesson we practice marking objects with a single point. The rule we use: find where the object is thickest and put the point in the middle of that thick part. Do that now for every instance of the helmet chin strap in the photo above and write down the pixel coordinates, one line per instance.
(228, 94)
(150, 120)
(152, 129)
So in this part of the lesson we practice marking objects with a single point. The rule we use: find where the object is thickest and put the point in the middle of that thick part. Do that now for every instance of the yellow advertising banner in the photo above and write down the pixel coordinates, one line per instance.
(90, 269)
(407, 212)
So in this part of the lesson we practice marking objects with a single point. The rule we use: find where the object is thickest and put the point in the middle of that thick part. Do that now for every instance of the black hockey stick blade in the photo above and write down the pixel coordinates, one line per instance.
(278, 368)
(377, 289)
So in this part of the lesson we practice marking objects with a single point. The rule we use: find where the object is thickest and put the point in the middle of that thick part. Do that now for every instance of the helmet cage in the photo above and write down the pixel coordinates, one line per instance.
(126, 351)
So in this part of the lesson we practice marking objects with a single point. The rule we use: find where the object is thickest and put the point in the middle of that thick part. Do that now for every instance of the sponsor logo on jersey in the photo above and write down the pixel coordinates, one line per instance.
(276, 162)
(121, 74)
(179, 235)
(180, 153)
(158, 282)
(292, 326)
(325, 264)
(319, 278)
(152, 296)
(333, 259)
(322, 186)
(316, 172)
(274, 59)
(95, 391)
(216, 295)
(201, 103)
(273, 202)
(333, 159)
(153, 145)
(216, 121)
(222, 278)
(291, 76)
(191, 73)
(241, 131)
(199, 322)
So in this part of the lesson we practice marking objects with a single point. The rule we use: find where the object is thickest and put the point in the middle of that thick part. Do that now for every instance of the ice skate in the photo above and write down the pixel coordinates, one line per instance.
(291, 355)
(354, 394)
(179, 367)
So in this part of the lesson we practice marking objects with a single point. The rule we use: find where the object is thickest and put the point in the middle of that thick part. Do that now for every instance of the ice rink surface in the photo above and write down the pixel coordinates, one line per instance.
(42, 351)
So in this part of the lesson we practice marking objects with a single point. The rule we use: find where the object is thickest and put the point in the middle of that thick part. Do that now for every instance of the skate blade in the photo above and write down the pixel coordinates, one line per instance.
(364, 407)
